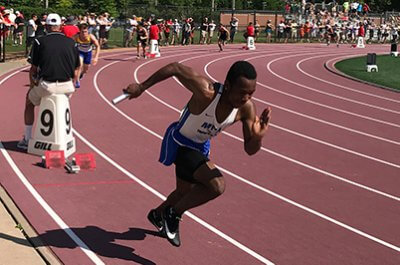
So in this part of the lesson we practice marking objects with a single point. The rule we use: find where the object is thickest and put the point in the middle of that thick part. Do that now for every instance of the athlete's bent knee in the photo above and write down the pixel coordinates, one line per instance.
(217, 186)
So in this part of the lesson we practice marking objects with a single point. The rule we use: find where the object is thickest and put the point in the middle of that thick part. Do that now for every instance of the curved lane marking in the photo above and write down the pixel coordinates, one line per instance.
(325, 217)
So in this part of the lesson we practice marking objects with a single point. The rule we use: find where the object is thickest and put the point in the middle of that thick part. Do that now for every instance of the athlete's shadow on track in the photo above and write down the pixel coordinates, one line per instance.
(12, 146)
(98, 240)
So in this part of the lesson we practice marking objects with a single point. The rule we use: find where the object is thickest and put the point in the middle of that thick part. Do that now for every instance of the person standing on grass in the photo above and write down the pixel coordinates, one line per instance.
(176, 28)
(19, 30)
(268, 31)
(130, 31)
(223, 36)
(257, 28)
(211, 108)
(234, 27)
(211, 29)
(204, 31)
(141, 37)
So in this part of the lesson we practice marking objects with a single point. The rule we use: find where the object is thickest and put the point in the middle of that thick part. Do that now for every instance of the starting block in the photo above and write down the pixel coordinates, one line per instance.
(71, 167)
(360, 42)
(250, 45)
(53, 129)
(85, 161)
(56, 159)
(53, 159)
(154, 49)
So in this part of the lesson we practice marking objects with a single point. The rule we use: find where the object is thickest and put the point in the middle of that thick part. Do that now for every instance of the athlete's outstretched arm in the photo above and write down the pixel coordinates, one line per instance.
(197, 84)
(254, 127)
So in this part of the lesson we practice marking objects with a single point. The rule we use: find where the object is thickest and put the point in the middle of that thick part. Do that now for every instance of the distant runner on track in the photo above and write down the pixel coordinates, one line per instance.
(186, 143)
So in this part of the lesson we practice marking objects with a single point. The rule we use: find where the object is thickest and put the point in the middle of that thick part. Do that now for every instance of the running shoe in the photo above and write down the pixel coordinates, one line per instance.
(171, 225)
(77, 84)
(156, 219)
(23, 144)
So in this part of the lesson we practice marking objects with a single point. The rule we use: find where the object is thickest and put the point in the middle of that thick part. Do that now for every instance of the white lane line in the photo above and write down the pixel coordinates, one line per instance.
(40, 199)
(299, 162)
(297, 133)
(152, 190)
(308, 116)
(338, 147)
(49, 210)
(317, 119)
(298, 65)
(326, 173)
(91, 255)
(276, 195)
(324, 105)
(323, 121)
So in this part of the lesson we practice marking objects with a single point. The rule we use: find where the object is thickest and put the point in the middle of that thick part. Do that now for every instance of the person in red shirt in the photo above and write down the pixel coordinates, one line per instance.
(161, 29)
(154, 31)
(361, 30)
(249, 31)
(167, 30)
(7, 23)
(70, 29)
(365, 9)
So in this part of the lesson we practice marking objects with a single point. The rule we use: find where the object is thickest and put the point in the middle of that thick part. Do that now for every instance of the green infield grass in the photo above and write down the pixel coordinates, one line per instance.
(388, 74)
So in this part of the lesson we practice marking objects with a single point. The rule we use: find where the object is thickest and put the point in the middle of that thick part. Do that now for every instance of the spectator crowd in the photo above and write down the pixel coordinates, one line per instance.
(303, 21)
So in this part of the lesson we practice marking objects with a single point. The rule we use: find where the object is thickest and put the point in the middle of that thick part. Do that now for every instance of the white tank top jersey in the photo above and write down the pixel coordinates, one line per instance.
(202, 127)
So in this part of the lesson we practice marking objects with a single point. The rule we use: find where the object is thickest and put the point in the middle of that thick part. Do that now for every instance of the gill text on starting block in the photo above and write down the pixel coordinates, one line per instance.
(53, 128)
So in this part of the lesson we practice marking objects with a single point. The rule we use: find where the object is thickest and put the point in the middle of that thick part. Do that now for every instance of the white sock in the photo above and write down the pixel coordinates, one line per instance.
(28, 132)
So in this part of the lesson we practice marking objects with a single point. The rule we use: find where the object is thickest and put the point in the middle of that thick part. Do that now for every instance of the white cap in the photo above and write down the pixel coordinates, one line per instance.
(53, 20)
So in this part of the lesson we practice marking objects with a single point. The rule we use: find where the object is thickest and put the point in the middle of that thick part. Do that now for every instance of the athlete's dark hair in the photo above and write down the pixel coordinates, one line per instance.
(241, 68)
(83, 26)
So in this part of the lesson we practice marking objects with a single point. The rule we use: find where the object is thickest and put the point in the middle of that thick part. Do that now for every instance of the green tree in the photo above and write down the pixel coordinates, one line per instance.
(65, 3)
(379, 5)
(100, 6)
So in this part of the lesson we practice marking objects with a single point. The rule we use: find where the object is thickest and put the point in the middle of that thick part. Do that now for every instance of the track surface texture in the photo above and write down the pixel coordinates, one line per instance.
(324, 188)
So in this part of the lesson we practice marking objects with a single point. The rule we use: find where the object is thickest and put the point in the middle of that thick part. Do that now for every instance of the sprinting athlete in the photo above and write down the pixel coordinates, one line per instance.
(211, 108)
(84, 42)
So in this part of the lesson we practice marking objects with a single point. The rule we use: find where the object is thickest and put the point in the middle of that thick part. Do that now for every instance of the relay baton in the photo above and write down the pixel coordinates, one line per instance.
(120, 98)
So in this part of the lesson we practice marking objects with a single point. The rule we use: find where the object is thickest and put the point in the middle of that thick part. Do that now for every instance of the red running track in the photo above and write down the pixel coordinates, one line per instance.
(324, 189)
